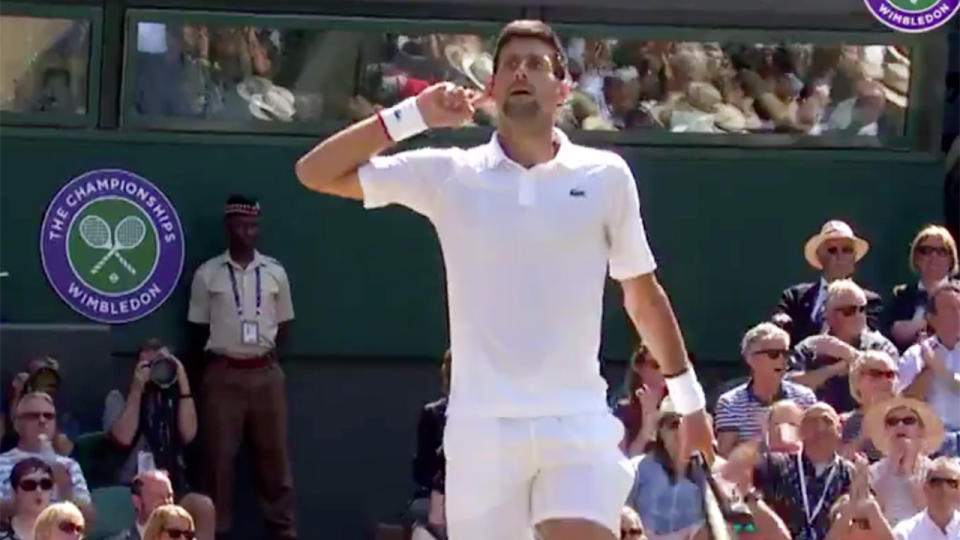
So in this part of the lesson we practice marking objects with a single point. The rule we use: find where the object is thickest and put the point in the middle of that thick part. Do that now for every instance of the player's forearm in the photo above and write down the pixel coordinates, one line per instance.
(651, 313)
(342, 154)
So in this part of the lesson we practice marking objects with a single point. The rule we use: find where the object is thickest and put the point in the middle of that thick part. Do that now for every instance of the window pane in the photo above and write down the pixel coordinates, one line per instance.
(44, 64)
(731, 87)
(270, 75)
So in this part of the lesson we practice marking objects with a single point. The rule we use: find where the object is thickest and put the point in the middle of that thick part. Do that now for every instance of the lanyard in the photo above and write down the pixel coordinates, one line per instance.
(236, 290)
(811, 516)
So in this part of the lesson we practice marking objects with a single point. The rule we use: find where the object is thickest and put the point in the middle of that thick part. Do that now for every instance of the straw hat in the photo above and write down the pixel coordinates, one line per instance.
(833, 229)
(875, 428)
(476, 66)
(266, 100)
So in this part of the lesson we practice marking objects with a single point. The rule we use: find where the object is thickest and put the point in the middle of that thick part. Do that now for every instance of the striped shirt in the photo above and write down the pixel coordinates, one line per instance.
(742, 411)
(10, 458)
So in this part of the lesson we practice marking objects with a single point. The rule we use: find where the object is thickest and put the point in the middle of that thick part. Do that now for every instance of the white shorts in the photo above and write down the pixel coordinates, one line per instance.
(505, 475)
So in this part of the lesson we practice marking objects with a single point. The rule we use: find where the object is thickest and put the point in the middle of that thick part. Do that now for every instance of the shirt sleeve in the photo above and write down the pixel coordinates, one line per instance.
(910, 366)
(199, 311)
(806, 398)
(284, 298)
(723, 417)
(411, 179)
(630, 253)
(80, 490)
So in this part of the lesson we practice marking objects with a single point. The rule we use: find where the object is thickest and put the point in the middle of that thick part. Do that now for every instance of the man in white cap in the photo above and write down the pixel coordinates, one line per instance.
(835, 251)
(529, 225)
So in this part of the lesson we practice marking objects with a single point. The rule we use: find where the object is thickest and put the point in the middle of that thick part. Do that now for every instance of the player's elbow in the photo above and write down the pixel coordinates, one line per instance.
(309, 176)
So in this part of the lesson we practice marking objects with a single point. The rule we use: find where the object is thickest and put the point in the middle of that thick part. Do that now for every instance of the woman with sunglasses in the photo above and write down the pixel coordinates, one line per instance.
(643, 388)
(933, 258)
(60, 521)
(169, 522)
(906, 431)
(669, 503)
(873, 380)
(32, 481)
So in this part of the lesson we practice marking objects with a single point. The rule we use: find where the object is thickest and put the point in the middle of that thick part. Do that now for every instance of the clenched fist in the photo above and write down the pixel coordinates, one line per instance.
(446, 105)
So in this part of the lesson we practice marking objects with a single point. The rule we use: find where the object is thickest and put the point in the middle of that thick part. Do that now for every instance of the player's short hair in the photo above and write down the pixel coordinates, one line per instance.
(533, 29)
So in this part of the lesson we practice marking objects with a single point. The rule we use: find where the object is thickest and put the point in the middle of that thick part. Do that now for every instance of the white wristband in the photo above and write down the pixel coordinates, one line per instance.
(686, 392)
(403, 120)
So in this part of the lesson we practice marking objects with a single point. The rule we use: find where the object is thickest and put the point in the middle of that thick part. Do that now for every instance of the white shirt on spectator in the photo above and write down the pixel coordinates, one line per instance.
(10, 458)
(526, 252)
(921, 527)
(942, 397)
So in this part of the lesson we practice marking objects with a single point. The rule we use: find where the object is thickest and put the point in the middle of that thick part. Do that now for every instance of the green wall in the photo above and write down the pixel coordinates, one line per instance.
(727, 226)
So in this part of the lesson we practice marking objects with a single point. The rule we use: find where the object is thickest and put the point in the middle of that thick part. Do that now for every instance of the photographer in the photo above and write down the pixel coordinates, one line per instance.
(153, 424)
(42, 374)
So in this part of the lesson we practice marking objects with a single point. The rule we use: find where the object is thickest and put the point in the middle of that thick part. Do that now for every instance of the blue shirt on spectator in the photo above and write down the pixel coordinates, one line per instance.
(664, 506)
(740, 410)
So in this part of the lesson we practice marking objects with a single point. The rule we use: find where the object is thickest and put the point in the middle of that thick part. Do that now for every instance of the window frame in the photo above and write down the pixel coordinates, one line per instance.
(88, 119)
(921, 125)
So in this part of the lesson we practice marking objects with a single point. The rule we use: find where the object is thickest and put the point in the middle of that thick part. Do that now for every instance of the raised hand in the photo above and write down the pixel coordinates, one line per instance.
(446, 105)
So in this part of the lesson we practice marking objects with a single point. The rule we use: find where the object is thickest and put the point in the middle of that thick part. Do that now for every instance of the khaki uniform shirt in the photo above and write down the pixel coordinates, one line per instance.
(212, 302)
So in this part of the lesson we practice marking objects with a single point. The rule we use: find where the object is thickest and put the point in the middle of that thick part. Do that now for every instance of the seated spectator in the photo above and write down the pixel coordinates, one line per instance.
(933, 258)
(941, 517)
(35, 422)
(823, 362)
(644, 389)
(60, 521)
(169, 522)
(873, 380)
(782, 427)
(802, 487)
(42, 374)
(669, 503)
(930, 370)
(630, 526)
(32, 481)
(148, 491)
(906, 431)
(429, 462)
(951, 445)
(155, 421)
(740, 412)
(835, 251)
(858, 518)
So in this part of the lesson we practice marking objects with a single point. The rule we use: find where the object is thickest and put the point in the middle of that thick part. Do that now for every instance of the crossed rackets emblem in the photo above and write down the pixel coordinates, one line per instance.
(128, 234)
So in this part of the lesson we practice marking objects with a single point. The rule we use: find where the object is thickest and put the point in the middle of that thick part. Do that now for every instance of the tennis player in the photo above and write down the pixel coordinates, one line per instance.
(529, 225)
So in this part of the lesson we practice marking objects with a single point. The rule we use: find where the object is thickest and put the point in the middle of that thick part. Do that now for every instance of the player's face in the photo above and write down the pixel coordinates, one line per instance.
(524, 85)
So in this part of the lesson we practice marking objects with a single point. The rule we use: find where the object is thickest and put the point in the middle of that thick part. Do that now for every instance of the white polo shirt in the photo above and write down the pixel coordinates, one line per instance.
(943, 396)
(921, 527)
(526, 254)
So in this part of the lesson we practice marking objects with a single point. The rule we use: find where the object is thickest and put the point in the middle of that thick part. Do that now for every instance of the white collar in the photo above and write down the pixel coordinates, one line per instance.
(494, 155)
(140, 528)
(258, 260)
(953, 527)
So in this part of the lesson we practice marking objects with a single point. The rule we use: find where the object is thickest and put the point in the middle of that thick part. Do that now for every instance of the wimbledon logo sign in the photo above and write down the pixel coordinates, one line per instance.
(913, 15)
(112, 246)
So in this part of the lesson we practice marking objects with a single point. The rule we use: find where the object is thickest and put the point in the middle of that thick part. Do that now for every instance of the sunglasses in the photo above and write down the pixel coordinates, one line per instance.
(846, 250)
(773, 354)
(935, 481)
(850, 311)
(906, 420)
(929, 250)
(48, 416)
(861, 523)
(888, 374)
(749, 527)
(70, 527)
(629, 533)
(177, 533)
(670, 423)
(45, 484)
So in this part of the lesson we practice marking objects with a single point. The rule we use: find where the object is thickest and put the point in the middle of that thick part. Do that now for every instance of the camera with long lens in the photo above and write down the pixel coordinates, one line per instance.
(163, 371)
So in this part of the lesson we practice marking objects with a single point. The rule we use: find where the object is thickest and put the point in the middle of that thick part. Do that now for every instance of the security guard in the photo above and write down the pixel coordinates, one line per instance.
(241, 302)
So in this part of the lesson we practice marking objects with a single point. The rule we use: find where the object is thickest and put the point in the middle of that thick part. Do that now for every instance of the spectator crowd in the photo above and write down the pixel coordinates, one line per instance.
(283, 75)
